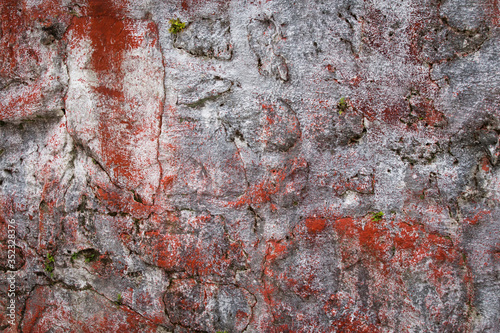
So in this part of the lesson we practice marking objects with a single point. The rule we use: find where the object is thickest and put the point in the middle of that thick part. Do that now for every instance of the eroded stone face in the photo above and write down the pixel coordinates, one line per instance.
(33, 76)
(263, 38)
(115, 95)
(80, 309)
(313, 166)
(206, 37)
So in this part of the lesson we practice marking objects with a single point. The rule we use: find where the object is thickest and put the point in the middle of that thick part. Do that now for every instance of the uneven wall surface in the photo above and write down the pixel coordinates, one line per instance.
(275, 166)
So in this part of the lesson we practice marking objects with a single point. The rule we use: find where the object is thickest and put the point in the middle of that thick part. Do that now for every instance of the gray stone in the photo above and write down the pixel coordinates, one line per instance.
(206, 38)
(305, 166)
(263, 38)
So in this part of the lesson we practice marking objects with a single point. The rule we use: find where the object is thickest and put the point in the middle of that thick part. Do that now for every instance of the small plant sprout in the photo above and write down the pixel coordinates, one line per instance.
(90, 258)
(377, 216)
(74, 256)
(176, 26)
(119, 299)
(342, 105)
(49, 264)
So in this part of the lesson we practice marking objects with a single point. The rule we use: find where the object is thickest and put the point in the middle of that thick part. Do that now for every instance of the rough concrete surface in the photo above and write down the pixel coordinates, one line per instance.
(273, 166)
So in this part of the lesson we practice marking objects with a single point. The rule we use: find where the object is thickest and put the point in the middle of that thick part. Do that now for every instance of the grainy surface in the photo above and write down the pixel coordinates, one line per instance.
(228, 177)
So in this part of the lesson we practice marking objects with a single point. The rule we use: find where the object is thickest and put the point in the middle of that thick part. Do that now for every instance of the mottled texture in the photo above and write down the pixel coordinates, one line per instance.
(274, 166)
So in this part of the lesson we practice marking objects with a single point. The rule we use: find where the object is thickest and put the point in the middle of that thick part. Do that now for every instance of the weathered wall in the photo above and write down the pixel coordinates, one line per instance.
(227, 177)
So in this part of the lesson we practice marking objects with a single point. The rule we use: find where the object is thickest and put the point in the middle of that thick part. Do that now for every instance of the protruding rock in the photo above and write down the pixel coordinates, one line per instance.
(33, 78)
(206, 38)
(263, 38)
(197, 90)
(209, 307)
(340, 129)
(280, 126)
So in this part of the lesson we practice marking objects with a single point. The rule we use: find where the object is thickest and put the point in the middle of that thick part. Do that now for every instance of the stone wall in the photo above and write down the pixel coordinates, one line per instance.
(273, 166)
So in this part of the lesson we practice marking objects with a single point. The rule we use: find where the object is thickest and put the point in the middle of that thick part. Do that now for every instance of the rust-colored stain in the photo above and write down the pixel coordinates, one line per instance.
(339, 173)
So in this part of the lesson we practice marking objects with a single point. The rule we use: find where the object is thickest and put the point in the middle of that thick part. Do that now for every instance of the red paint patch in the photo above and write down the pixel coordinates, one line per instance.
(315, 224)
(125, 147)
